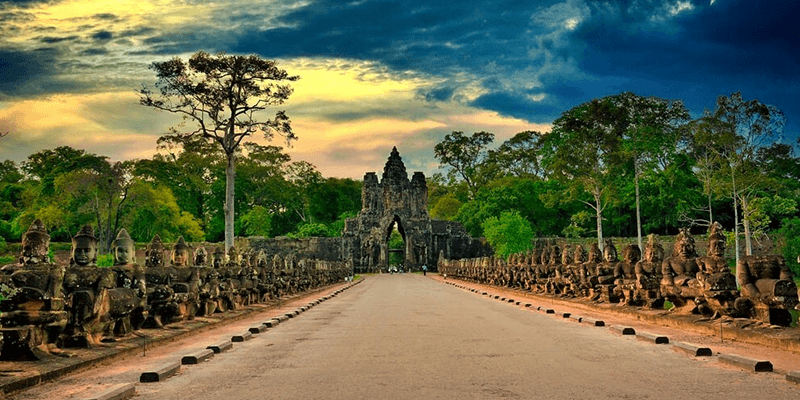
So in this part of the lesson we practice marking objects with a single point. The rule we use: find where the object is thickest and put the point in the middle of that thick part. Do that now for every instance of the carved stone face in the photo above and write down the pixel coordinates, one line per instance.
(632, 254)
(123, 254)
(84, 251)
(217, 260)
(716, 247)
(180, 257)
(35, 248)
(686, 248)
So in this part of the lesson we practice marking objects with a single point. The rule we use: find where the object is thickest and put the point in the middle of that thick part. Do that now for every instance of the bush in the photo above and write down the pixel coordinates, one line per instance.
(791, 249)
(508, 234)
(105, 260)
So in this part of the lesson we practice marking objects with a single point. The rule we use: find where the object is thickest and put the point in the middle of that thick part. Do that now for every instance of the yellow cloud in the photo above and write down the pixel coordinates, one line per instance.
(345, 80)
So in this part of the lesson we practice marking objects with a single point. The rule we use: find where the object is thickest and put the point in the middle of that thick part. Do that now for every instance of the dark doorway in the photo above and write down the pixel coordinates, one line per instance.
(396, 245)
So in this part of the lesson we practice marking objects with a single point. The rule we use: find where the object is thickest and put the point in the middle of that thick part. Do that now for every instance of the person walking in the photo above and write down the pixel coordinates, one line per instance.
(424, 270)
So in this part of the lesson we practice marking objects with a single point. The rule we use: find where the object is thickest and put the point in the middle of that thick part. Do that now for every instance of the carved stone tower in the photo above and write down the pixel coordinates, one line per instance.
(397, 202)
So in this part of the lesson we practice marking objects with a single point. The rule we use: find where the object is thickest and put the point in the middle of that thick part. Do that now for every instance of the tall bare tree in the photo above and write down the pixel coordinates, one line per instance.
(223, 95)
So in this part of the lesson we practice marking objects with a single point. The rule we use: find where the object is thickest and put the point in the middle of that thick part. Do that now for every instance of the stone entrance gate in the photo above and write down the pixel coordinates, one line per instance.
(398, 201)
(393, 201)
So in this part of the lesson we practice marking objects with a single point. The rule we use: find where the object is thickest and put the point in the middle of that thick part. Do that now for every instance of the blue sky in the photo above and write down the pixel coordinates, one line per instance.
(377, 74)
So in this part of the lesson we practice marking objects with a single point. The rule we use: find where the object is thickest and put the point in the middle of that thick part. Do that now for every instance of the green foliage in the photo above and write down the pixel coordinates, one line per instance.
(508, 234)
(446, 207)
(395, 242)
(256, 222)
(336, 227)
(7, 259)
(791, 248)
(463, 156)
(157, 212)
(577, 226)
(311, 229)
(105, 260)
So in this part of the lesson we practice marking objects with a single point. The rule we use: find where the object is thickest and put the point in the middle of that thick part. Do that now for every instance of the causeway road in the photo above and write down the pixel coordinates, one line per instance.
(406, 336)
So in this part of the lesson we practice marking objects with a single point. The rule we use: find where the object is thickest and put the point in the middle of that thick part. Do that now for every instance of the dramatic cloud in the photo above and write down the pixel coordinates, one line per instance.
(376, 73)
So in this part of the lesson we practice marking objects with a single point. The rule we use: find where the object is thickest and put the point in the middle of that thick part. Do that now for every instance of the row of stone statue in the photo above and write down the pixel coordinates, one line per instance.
(47, 307)
(702, 285)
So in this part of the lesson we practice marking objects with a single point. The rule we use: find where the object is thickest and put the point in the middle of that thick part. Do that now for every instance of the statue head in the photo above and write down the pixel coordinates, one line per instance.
(84, 248)
(200, 256)
(218, 258)
(580, 255)
(684, 244)
(124, 248)
(261, 259)
(35, 244)
(631, 254)
(567, 255)
(233, 256)
(154, 255)
(595, 255)
(716, 241)
(180, 253)
(653, 250)
(610, 252)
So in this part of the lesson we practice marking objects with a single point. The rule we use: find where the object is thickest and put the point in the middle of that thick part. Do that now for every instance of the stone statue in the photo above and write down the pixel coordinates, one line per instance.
(180, 254)
(86, 290)
(200, 257)
(131, 286)
(648, 274)
(160, 295)
(33, 314)
(577, 274)
(717, 283)
(768, 289)
(679, 273)
(589, 270)
(186, 281)
(218, 258)
(625, 275)
(604, 288)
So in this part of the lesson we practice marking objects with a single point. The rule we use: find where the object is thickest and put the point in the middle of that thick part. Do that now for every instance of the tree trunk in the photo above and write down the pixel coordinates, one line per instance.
(736, 225)
(230, 178)
(599, 215)
(638, 211)
(748, 243)
(710, 212)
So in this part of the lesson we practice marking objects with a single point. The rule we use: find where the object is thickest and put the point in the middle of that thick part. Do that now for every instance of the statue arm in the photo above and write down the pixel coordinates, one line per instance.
(749, 288)
(666, 274)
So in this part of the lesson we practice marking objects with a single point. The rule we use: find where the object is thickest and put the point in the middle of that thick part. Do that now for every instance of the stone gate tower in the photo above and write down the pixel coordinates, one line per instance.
(396, 201)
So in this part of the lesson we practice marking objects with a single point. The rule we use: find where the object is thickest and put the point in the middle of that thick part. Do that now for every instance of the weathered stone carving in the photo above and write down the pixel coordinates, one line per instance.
(679, 274)
(625, 275)
(648, 274)
(131, 286)
(86, 290)
(717, 283)
(768, 289)
(33, 315)
(398, 201)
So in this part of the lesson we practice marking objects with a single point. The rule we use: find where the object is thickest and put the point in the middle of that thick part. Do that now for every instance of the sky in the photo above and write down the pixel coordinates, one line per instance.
(378, 74)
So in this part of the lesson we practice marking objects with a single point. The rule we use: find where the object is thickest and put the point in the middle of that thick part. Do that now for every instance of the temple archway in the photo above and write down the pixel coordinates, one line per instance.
(396, 244)
(396, 202)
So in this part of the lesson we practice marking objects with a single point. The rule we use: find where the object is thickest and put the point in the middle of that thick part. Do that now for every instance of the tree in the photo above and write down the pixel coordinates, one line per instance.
(464, 155)
(732, 135)
(652, 130)
(508, 234)
(518, 156)
(583, 150)
(47, 165)
(223, 94)
(100, 195)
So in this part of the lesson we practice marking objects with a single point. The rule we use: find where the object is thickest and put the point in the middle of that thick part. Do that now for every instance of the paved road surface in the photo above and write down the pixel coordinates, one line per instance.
(409, 337)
